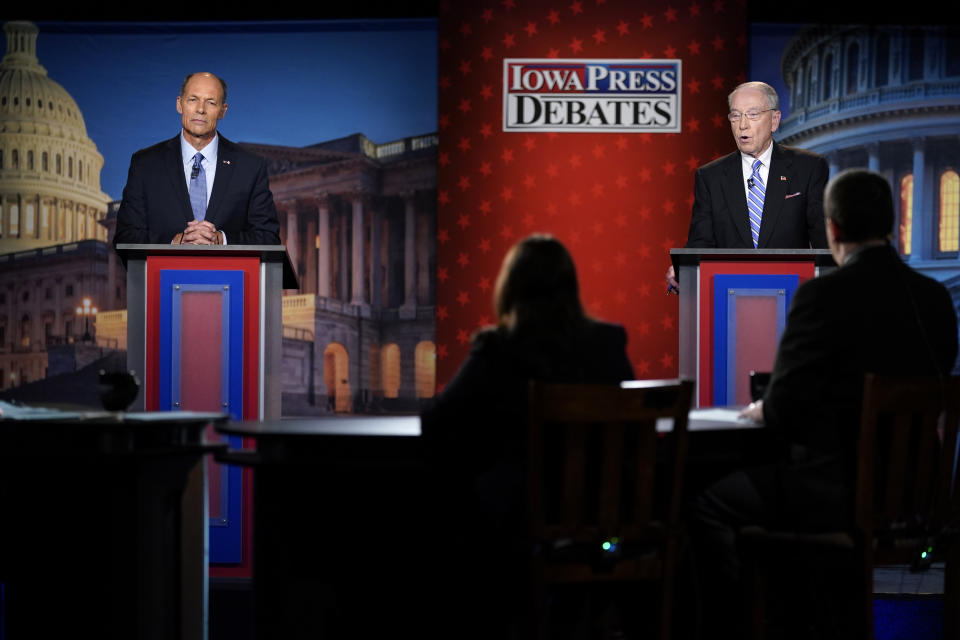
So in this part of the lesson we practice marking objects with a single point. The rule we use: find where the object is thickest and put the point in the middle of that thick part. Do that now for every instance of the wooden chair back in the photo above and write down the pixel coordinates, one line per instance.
(595, 518)
(906, 496)
(601, 440)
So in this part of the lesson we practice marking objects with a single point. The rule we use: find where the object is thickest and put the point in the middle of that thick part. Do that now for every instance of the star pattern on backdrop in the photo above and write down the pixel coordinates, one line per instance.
(618, 201)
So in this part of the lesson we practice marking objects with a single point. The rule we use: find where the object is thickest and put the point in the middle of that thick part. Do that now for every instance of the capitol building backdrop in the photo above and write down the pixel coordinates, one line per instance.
(887, 98)
(359, 218)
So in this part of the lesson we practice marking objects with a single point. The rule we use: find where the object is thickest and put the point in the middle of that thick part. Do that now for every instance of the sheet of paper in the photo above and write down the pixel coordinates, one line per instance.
(718, 414)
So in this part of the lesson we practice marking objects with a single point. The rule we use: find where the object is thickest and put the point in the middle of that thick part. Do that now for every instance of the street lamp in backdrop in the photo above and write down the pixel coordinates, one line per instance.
(86, 310)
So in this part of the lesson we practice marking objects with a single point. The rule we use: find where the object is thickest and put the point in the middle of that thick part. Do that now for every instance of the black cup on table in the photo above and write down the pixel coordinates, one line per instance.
(758, 384)
(118, 389)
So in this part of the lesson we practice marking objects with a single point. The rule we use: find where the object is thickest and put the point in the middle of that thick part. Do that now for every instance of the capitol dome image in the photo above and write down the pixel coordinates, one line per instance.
(60, 282)
(887, 98)
(49, 168)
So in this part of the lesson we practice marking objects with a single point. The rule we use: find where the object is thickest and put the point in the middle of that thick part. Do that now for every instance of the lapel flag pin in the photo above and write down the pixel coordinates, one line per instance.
(782, 178)
(228, 162)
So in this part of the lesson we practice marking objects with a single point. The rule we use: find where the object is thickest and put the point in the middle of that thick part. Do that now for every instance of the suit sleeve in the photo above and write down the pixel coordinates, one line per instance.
(262, 224)
(818, 183)
(701, 220)
(131, 215)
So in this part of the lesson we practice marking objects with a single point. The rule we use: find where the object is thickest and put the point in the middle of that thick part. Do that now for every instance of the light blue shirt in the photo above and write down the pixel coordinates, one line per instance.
(209, 164)
(209, 160)
(747, 165)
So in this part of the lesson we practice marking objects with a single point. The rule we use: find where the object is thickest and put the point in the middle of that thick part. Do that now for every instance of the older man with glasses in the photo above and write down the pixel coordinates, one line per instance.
(764, 195)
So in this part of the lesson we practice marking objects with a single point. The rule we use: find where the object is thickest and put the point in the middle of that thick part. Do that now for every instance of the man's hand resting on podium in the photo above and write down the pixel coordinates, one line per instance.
(753, 411)
(672, 285)
(199, 232)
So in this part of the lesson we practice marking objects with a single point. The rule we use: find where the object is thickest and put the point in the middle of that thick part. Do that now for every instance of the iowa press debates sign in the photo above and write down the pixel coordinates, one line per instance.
(549, 94)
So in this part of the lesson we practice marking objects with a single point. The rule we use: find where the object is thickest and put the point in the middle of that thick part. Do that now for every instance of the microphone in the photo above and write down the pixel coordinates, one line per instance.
(749, 182)
(196, 171)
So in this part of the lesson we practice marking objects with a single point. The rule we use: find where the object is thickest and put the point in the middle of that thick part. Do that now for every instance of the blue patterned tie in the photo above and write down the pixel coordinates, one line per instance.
(198, 188)
(755, 201)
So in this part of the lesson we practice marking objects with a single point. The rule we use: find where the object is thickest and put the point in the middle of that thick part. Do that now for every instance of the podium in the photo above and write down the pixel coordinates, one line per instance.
(733, 308)
(234, 289)
(204, 333)
(103, 533)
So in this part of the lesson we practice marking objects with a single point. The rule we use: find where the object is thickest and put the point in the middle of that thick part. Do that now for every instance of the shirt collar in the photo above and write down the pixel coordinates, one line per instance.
(187, 151)
(854, 254)
(765, 157)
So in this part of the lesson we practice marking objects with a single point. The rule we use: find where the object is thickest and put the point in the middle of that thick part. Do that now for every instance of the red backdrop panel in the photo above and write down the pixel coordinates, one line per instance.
(756, 321)
(619, 201)
(201, 352)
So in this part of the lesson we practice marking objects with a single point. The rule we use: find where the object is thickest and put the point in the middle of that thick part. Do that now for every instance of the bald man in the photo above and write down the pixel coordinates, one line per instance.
(198, 187)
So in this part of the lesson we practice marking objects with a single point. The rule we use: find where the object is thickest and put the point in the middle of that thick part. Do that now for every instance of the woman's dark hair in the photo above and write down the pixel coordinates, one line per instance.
(537, 288)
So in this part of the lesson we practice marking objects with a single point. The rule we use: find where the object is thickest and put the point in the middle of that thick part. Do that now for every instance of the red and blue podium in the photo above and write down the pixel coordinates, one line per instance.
(733, 307)
(204, 333)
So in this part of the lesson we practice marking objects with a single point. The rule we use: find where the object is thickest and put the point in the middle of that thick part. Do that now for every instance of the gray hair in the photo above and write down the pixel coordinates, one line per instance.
(773, 101)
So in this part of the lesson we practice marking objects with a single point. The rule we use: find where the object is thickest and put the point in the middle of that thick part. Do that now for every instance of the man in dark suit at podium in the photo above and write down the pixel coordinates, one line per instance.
(764, 195)
(197, 188)
(873, 314)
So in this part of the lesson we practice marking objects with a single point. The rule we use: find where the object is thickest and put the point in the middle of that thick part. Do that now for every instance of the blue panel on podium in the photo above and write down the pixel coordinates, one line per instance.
(750, 312)
(201, 369)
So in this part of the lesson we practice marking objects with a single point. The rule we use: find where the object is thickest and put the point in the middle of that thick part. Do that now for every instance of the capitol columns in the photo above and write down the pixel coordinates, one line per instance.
(890, 173)
(322, 201)
(376, 262)
(425, 233)
(921, 236)
(289, 208)
(308, 283)
(897, 58)
(111, 286)
(409, 307)
(873, 156)
(359, 200)
(833, 160)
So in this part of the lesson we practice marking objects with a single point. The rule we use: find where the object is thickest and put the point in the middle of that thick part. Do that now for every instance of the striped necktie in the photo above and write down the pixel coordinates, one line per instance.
(198, 188)
(755, 201)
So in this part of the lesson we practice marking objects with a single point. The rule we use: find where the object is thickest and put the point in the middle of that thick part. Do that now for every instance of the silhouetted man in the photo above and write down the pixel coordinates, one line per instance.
(873, 314)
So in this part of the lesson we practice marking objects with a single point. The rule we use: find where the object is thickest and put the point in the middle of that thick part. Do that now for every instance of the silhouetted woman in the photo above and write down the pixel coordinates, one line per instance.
(476, 430)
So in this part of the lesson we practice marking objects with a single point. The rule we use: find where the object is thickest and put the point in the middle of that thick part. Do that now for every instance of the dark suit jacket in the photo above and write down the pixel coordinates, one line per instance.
(156, 204)
(792, 209)
(872, 315)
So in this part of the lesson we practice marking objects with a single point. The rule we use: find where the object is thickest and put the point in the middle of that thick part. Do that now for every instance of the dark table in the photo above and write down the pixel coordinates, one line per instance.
(339, 538)
(104, 524)
(346, 532)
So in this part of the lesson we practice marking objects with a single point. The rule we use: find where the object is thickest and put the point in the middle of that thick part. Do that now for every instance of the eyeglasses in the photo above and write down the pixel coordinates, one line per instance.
(753, 114)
